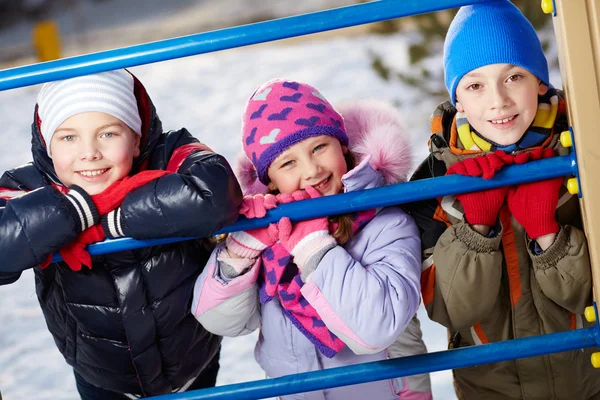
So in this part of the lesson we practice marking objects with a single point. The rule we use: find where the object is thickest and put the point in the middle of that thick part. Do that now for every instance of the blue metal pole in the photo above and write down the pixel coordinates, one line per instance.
(221, 39)
(373, 198)
(406, 366)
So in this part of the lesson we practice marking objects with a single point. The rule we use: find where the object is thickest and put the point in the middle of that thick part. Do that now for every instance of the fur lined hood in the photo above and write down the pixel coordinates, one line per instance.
(374, 128)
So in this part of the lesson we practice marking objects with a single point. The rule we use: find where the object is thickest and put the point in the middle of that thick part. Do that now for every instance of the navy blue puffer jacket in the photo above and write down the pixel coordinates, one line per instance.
(125, 325)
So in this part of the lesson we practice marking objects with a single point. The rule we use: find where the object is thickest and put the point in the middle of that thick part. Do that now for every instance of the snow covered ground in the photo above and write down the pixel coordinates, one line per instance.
(206, 94)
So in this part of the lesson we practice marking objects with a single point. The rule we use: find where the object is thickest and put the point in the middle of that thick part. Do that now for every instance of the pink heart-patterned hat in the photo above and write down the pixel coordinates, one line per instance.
(281, 113)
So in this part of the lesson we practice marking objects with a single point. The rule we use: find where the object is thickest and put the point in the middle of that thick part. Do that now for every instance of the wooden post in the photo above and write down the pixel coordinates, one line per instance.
(577, 27)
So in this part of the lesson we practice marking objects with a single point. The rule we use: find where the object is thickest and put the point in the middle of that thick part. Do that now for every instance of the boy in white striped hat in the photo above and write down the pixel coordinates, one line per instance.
(92, 128)
(104, 167)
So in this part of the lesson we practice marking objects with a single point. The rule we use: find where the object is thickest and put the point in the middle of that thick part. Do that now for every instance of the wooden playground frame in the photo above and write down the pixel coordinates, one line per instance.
(577, 28)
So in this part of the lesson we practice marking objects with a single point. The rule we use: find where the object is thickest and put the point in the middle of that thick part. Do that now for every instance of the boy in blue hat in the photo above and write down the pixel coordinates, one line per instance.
(510, 262)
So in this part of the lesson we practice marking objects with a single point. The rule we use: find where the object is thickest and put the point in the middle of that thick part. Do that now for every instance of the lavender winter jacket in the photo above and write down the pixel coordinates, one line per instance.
(367, 292)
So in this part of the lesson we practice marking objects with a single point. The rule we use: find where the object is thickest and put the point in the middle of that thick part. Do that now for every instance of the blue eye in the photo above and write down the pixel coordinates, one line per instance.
(319, 147)
(286, 164)
(68, 138)
(108, 134)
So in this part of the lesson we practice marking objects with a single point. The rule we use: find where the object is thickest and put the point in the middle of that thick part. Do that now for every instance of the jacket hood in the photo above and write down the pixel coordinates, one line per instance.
(377, 138)
(151, 131)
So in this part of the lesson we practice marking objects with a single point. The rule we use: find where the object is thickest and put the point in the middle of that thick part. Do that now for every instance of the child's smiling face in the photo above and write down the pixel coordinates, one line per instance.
(317, 161)
(500, 101)
(93, 150)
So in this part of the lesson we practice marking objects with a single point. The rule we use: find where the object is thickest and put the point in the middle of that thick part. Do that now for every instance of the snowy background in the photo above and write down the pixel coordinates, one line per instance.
(206, 94)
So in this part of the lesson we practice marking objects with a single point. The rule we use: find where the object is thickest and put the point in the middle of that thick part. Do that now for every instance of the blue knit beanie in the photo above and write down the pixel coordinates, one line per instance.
(491, 33)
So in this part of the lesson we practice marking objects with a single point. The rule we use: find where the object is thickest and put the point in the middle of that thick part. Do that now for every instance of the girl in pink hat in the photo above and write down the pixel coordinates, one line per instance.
(326, 292)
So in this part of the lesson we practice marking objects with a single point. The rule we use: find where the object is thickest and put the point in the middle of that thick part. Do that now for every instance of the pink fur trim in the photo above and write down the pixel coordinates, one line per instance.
(247, 176)
(373, 127)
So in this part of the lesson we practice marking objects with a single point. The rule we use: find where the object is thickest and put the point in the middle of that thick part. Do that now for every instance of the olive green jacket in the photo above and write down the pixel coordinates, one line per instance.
(496, 288)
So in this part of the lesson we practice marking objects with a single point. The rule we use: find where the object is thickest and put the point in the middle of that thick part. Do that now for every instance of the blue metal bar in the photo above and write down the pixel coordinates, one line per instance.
(406, 366)
(220, 40)
(379, 197)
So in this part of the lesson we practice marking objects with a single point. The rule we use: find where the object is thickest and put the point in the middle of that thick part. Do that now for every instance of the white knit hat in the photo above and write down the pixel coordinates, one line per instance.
(108, 92)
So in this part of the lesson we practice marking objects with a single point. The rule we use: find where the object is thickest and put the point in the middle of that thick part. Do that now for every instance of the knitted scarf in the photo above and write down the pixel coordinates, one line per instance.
(538, 132)
(118, 191)
(280, 278)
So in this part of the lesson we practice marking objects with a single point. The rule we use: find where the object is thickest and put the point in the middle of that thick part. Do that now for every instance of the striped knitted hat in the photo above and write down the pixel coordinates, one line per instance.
(108, 92)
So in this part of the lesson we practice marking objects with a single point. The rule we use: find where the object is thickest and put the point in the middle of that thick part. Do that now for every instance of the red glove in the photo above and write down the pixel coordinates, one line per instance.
(482, 208)
(257, 206)
(484, 166)
(113, 196)
(534, 204)
(75, 254)
(534, 155)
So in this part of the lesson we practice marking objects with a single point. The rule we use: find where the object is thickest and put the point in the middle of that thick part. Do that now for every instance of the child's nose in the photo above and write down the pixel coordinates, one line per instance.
(311, 170)
(89, 152)
(500, 98)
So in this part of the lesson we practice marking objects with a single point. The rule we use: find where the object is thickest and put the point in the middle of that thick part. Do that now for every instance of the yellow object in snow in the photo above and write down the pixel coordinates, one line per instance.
(46, 41)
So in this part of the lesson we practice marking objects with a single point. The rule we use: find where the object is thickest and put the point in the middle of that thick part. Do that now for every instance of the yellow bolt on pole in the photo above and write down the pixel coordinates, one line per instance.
(547, 6)
(46, 41)
(565, 139)
(590, 314)
(573, 186)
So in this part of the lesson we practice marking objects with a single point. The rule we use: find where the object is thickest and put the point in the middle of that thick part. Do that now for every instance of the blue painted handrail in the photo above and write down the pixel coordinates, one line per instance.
(405, 366)
(373, 198)
(221, 39)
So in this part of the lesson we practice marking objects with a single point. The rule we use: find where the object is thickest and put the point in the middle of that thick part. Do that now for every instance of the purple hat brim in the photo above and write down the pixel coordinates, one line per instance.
(276, 149)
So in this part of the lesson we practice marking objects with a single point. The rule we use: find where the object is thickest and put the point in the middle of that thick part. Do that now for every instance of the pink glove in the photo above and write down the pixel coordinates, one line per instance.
(249, 244)
(306, 241)
(257, 206)
(298, 195)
